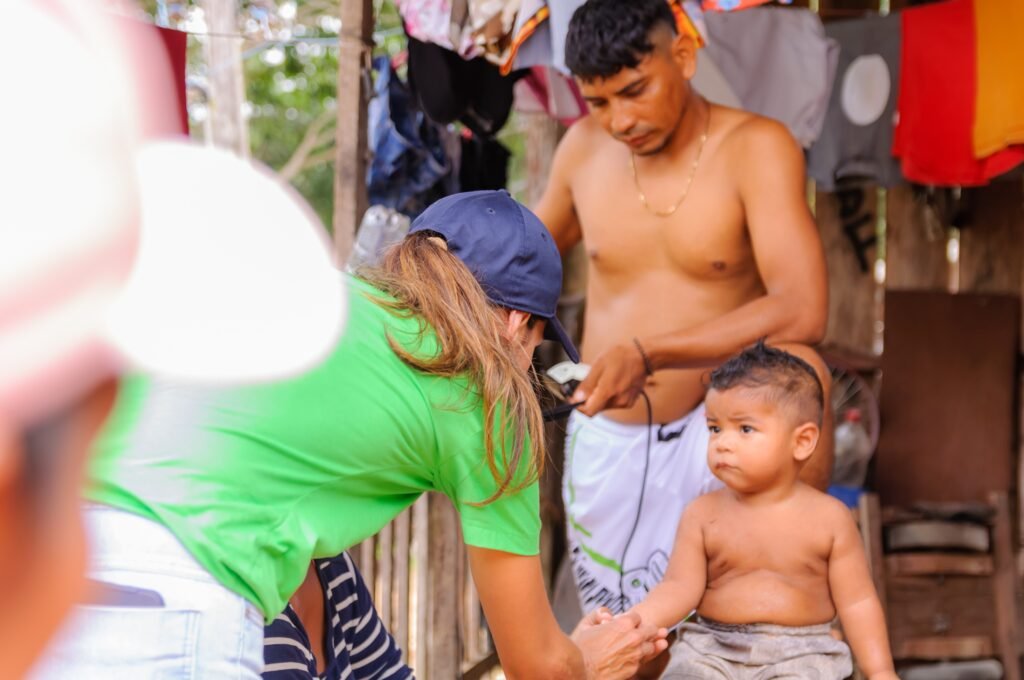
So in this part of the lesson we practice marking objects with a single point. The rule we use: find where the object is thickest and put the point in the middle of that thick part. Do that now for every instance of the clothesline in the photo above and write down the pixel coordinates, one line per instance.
(378, 36)
(840, 12)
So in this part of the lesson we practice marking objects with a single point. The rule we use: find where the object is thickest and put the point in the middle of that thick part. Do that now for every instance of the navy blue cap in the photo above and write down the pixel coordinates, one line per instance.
(507, 248)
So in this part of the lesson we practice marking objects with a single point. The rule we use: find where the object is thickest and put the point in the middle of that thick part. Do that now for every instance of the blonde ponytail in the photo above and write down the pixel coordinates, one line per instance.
(433, 285)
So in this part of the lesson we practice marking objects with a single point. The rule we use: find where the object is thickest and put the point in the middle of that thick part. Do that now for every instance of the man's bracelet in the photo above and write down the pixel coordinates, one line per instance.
(643, 355)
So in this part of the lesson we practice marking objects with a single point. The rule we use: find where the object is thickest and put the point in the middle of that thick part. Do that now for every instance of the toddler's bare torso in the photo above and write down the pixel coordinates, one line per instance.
(769, 563)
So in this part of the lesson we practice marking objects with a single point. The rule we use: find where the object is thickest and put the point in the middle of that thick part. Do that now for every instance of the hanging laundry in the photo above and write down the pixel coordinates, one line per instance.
(175, 44)
(708, 79)
(484, 164)
(531, 37)
(688, 15)
(734, 5)
(409, 156)
(999, 107)
(159, 64)
(856, 140)
(545, 90)
(693, 14)
(779, 63)
(440, 22)
(711, 83)
(491, 23)
(538, 38)
(450, 88)
(936, 102)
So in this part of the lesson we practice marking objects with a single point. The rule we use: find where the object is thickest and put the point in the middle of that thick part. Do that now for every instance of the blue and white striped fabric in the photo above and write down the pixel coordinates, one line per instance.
(358, 645)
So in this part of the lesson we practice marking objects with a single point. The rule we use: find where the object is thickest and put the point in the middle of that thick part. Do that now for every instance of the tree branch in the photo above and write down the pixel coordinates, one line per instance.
(325, 156)
(311, 140)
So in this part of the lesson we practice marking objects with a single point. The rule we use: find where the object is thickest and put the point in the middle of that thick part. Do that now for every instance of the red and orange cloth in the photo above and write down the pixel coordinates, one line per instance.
(961, 100)
(999, 107)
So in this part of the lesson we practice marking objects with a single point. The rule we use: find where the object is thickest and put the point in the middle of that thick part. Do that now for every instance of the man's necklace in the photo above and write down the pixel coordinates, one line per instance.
(689, 181)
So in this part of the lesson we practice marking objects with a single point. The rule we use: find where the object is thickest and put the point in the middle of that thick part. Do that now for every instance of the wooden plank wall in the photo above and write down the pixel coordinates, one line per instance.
(417, 569)
(991, 247)
(847, 224)
(991, 260)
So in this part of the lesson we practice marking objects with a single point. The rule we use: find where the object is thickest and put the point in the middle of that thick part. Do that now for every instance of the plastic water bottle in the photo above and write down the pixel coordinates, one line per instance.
(381, 227)
(852, 451)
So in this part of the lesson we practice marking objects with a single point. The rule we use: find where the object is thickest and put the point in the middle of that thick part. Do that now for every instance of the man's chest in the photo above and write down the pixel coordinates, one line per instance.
(705, 238)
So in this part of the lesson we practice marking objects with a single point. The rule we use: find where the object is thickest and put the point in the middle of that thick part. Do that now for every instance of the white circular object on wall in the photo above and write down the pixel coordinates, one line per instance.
(866, 89)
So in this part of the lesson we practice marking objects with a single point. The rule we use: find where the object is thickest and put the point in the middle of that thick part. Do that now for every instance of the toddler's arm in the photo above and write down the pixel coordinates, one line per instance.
(681, 590)
(856, 601)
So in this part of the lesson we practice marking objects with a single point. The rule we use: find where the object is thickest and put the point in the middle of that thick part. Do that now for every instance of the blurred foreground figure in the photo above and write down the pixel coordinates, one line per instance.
(156, 246)
(68, 216)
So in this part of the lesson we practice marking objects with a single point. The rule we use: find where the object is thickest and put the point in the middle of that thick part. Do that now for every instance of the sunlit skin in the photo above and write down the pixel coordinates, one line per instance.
(769, 548)
(739, 260)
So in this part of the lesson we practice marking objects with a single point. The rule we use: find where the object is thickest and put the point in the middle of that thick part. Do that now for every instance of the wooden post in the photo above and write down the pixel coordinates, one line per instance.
(844, 219)
(228, 127)
(869, 512)
(355, 43)
(1004, 588)
(444, 651)
(400, 621)
(1020, 433)
(421, 583)
(991, 252)
(915, 245)
(542, 136)
(992, 261)
(367, 563)
(385, 593)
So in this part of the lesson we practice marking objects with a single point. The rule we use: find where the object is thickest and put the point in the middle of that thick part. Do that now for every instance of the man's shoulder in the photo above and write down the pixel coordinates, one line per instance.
(745, 130)
(583, 139)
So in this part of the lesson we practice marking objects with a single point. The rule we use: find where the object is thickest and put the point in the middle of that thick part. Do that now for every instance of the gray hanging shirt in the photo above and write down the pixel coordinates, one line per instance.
(856, 140)
(779, 63)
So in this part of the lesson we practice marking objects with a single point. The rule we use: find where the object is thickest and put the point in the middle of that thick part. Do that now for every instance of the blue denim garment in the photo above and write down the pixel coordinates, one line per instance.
(202, 631)
(408, 154)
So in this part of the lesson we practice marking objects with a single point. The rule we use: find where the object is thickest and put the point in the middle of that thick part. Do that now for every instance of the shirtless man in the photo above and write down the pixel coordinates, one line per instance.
(700, 242)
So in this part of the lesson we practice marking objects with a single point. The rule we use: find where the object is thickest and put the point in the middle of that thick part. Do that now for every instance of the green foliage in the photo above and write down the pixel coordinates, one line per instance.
(291, 85)
(286, 99)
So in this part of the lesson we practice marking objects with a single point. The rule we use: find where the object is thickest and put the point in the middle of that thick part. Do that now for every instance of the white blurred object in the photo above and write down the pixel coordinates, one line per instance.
(380, 229)
(68, 129)
(567, 371)
(234, 280)
(852, 450)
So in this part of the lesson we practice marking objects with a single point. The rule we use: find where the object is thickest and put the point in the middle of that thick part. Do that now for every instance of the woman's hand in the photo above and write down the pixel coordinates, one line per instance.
(614, 647)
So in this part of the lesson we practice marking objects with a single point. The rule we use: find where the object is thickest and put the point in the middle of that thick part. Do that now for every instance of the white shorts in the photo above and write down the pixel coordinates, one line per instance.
(619, 545)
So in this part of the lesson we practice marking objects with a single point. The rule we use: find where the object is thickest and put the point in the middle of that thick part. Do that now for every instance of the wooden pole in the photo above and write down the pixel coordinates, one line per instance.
(228, 127)
(916, 244)
(444, 647)
(355, 44)
(846, 221)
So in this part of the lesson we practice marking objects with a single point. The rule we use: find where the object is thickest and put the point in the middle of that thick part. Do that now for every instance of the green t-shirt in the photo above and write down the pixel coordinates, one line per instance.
(258, 480)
